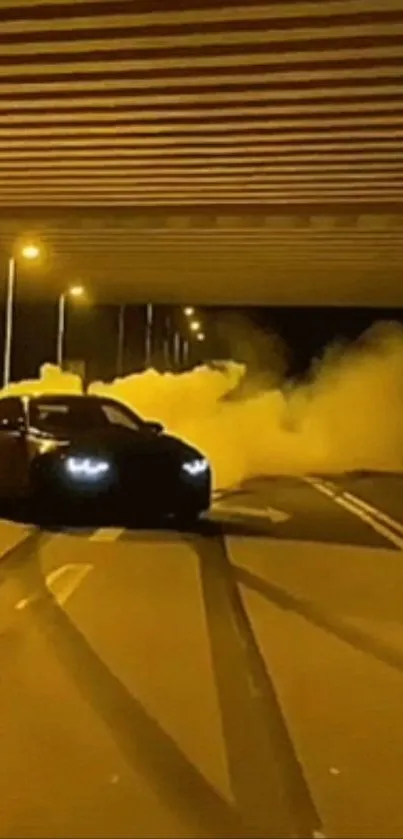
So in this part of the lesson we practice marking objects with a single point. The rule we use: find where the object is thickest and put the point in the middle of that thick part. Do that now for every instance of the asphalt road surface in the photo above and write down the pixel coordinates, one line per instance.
(245, 680)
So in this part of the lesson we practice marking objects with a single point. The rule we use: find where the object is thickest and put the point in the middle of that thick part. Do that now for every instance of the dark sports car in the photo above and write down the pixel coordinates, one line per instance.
(87, 451)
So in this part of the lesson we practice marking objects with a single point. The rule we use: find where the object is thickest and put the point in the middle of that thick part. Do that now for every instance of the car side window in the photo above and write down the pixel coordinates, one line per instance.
(115, 416)
(11, 414)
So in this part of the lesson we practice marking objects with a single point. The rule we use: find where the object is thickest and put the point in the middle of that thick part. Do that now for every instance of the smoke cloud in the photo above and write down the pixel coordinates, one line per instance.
(347, 414)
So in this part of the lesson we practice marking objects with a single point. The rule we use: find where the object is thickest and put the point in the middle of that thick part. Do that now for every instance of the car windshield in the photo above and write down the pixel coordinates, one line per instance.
(55, 416)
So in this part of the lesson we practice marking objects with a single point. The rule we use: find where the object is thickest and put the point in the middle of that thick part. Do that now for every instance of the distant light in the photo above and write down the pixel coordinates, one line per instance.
(201, 336)
(195, 325)
(77, 291)
(189, 311)
(30, 252)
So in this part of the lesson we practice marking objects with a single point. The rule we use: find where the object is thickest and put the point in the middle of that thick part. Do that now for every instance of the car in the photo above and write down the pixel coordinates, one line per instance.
(89, 452)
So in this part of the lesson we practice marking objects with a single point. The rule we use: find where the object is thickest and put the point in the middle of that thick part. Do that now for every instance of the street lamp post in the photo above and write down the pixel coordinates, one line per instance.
(149, 334)
(75, 291)
(8, 336)
(121, 340)
(186, 352)
(166, 343)
(177, 350)
(61, 325)
(30, 252)
(196, 331)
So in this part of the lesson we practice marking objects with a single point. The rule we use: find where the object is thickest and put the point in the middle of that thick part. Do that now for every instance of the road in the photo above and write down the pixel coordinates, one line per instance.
(245, 680)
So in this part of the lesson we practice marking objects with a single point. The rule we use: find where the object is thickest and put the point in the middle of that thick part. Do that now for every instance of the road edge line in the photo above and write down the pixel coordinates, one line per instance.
(370, 519)
(375, 512)
(391, 522)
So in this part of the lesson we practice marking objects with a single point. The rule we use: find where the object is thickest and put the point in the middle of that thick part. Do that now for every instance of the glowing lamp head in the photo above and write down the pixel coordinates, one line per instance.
(30, 252)
(76, 291)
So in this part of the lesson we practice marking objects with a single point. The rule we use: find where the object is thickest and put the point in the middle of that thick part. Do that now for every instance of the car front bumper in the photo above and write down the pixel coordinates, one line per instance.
(170, 492)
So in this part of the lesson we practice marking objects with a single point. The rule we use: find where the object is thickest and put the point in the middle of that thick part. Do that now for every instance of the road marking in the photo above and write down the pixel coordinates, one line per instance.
(12, 534)
(107, 534)
(62, 583)
(65, 580)
(23, 603)
(270, 513)
(365, 507)
(227, 492)
(357, 510)
(378, 514)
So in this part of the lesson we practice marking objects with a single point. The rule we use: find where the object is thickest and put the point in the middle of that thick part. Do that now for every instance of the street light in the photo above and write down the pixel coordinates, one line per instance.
(195, 325)
(76, 292)
(189, 311)
(28, 252)
(200, 336)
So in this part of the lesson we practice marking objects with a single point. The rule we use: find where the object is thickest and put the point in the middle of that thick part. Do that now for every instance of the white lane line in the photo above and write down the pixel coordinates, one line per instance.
(23, 603)
(365, 507)
(268, 513)
(62, 583)
(358, 511)
(374, 511)
(107, 534)
(65, 580)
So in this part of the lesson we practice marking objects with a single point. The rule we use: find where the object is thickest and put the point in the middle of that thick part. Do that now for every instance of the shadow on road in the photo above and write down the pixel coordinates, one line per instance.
(309, 517)
(205, 525)
(266, 777)
(149, 749)
(322, 619)
(272, 799)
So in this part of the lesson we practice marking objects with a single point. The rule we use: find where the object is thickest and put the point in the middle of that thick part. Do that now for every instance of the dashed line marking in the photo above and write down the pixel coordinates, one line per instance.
(62, 583)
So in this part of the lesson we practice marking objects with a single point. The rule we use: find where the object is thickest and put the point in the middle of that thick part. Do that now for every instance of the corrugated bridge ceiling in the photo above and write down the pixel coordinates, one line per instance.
(205, 150)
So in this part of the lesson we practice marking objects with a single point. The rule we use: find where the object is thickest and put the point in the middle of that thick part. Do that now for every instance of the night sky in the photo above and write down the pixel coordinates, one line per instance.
(91, 334)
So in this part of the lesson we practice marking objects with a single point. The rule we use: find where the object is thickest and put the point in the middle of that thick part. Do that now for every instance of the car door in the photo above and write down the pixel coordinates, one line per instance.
(14, 466)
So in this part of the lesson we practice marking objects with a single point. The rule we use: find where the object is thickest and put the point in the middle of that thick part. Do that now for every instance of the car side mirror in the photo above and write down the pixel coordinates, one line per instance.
(155, 427)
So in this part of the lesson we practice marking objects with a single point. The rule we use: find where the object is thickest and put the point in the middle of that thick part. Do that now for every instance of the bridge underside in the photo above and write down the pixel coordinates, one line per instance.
(230, 257)
(206, 151)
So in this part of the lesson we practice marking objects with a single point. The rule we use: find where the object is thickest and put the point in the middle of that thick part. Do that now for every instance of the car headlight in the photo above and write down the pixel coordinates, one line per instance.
(196, 467)
(87, 468)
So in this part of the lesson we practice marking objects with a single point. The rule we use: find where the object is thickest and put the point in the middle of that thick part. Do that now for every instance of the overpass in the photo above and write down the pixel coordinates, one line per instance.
(206, 150)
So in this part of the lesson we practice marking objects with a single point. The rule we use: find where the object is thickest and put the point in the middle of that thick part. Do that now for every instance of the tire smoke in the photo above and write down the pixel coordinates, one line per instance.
(346, 415)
